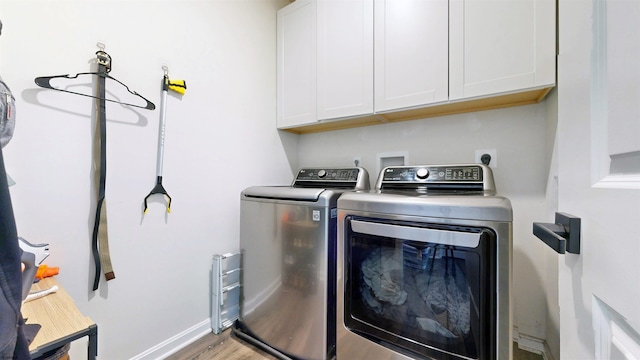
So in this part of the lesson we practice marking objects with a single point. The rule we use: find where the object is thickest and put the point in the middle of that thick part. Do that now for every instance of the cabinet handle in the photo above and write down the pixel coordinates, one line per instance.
(562, 236)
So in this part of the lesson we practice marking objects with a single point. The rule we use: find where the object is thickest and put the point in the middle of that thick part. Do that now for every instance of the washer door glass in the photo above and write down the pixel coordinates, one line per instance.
(420, 288)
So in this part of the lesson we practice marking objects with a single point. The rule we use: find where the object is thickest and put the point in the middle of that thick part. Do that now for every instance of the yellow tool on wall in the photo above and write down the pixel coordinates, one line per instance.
(178, 86)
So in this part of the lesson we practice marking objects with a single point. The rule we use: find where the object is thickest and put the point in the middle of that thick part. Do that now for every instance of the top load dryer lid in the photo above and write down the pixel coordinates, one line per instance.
(311, 183)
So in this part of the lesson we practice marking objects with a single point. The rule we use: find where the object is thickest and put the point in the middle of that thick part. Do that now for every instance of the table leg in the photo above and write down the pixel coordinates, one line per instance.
(92, 351)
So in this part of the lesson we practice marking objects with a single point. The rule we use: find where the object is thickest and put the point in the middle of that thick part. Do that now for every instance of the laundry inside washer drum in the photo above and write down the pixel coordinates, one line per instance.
(434, 299)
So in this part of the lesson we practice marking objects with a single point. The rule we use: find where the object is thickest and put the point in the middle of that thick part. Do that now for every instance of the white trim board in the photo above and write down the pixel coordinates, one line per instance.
(532, 344)
(189, 336)
(176, 343)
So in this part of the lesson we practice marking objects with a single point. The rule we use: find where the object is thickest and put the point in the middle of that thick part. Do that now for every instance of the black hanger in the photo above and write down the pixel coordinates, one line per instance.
(104, 59)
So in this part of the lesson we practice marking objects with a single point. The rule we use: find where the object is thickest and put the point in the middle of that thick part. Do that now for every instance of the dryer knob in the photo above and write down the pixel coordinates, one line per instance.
(422, 173)
(322, 173)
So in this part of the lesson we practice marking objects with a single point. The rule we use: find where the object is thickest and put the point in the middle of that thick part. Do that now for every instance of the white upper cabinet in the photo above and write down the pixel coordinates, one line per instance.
(345, 58)
(346, 63)
(500, 46)
(411, 53)
(296, 64)
(324, 61)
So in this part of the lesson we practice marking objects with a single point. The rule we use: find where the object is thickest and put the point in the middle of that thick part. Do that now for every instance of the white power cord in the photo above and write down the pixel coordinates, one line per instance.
(39, 294)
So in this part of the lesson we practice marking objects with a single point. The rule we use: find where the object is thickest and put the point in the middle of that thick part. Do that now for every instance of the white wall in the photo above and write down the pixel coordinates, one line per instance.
(220, 138)
(519, 135)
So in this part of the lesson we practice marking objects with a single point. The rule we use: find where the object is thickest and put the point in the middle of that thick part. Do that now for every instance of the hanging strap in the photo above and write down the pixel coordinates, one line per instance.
(100, 239)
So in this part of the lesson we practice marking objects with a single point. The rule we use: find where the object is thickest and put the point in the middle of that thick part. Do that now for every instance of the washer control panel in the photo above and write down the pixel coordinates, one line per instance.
(356, 178)
(463, 176)
(328, 174)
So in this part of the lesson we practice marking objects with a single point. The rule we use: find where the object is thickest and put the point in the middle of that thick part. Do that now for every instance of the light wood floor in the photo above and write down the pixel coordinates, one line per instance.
(227, 346)
(224, 346)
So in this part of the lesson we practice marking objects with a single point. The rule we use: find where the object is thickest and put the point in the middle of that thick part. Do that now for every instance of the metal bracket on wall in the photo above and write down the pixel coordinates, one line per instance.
(562, 236)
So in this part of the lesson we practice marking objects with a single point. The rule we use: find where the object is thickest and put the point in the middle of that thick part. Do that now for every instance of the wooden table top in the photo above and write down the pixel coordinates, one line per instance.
(56, 313)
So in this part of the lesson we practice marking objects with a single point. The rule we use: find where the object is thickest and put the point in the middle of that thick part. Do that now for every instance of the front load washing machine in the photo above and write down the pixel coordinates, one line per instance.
(424, 266)
(288, 243)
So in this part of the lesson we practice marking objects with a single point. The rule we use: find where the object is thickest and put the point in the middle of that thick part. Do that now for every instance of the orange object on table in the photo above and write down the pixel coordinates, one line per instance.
(46, 271)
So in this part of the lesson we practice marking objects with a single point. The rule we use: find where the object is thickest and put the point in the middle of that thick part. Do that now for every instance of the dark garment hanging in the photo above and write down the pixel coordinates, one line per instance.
(13, 344)
(99, 240)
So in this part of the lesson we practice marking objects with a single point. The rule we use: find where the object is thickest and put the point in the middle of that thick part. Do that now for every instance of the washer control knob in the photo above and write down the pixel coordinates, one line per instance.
(422, 173)
(322, 173)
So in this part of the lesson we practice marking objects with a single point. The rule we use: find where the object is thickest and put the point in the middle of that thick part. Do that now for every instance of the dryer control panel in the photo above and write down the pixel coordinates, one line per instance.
(433, 173)
(459, 177)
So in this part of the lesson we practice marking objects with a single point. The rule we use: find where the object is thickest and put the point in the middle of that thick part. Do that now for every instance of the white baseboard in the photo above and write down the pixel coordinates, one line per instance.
(176, 343)
(187, 337)
(532, 344)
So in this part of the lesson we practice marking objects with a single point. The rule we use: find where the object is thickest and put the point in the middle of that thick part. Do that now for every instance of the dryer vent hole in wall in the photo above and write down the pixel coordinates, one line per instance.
(394, 158)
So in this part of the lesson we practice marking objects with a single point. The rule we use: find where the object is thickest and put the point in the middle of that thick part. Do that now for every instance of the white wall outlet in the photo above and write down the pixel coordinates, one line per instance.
(491, 152)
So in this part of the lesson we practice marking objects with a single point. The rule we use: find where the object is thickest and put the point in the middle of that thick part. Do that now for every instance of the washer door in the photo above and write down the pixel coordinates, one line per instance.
(424, 289)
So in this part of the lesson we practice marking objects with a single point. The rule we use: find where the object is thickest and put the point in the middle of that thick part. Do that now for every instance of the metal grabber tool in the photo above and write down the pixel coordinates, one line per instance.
(178, 86)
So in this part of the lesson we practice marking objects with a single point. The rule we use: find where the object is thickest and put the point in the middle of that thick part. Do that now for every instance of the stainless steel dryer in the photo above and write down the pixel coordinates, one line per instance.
(424, 266)
(288, 241)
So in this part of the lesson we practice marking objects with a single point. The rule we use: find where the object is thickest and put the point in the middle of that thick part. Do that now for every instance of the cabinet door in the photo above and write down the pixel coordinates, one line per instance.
(500, 46)
(411, 53)
(296, 64)
(345, 58)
